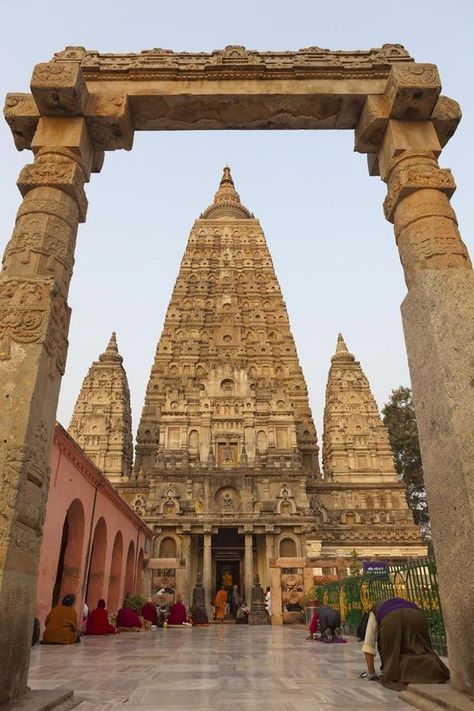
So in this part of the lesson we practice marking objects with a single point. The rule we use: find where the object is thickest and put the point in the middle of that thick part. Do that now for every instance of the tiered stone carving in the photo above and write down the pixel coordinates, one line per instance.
(355, 446)
(102, 421)
(361, 503)
(226, 374)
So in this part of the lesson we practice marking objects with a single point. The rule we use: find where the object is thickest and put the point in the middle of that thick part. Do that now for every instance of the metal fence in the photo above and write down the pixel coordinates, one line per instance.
(414, 580)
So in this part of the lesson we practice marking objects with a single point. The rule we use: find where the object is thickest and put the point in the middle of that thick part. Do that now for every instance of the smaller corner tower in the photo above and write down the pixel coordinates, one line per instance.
(102, 421)
(356, 447)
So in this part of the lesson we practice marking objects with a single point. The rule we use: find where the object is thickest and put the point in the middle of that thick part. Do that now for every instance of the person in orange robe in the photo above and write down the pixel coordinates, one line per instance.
(177, 614)
(61, 623)
(220, 602)
(98, 621)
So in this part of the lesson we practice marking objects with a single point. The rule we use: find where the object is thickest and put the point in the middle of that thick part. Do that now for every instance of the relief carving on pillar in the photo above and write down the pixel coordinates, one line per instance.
(416, 177)
(24, 309)
(63, 173)
(42, 235)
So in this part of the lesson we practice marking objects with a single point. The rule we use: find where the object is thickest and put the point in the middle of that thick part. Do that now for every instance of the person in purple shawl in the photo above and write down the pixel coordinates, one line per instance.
(399, 630)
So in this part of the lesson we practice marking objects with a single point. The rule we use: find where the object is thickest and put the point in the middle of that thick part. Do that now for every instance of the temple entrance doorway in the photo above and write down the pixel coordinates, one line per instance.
(228, 547)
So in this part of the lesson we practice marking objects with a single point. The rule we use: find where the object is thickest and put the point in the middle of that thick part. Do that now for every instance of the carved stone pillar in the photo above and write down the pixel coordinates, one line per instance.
(248, 565)
(185, 554)
(207, 571)
(34, 322)
(438, 321)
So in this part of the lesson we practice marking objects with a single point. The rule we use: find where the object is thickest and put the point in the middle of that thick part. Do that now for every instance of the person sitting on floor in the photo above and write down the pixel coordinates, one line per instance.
(400, 631)
(128, 620)
(149, 612)
(198, 617)
(61, 623)
(98, 621)
(177, 615)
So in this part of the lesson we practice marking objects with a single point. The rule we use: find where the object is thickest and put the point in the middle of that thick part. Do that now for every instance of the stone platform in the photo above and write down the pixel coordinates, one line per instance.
(214, 668)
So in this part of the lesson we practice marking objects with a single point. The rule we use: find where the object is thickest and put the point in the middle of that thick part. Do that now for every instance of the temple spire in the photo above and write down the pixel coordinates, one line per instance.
(111, 353)
(342, 352)
(226, 200)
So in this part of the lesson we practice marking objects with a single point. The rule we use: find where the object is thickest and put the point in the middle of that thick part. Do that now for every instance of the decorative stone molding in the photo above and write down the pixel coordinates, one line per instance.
(59, 88)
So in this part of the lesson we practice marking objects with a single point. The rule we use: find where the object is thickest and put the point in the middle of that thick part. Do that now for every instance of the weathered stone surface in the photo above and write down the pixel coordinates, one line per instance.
(446, 117)
(438, 321)
(22, 115)
(102, 419)
(435, 697)
(412, 91)
(59, 88)
(34, 321)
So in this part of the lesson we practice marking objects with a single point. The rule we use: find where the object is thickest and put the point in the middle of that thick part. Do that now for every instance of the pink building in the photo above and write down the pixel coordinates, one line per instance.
(94, 545)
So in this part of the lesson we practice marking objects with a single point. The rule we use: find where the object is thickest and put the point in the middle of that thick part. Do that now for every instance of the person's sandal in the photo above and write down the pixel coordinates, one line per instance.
(373, 677)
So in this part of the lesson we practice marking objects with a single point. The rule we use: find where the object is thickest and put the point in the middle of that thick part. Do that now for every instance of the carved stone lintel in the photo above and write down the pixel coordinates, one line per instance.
(65, 175)
(59, 88)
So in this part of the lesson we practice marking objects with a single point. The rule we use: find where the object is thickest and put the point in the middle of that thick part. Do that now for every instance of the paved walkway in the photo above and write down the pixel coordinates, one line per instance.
(209, 669)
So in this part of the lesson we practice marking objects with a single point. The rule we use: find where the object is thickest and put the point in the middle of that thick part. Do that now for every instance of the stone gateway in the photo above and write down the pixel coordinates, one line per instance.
(82, 104)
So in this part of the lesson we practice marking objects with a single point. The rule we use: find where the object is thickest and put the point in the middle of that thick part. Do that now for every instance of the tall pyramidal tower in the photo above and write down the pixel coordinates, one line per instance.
(226, 443)
(102, 420)
(226, 463)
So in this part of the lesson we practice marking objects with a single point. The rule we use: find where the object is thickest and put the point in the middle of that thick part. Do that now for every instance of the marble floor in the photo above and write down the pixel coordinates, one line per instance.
(209, 669)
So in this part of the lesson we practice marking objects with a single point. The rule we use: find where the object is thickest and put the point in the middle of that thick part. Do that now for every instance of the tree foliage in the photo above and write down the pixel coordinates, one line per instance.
(400, 420)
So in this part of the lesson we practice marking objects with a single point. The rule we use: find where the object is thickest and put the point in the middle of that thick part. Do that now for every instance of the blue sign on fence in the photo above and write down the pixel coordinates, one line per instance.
(376, 568)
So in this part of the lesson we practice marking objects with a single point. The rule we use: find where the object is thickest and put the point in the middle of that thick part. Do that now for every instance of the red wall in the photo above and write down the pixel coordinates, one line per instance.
(98, 518)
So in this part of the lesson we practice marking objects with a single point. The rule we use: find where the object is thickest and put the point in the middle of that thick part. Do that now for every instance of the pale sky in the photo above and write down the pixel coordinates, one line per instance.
(334, 253)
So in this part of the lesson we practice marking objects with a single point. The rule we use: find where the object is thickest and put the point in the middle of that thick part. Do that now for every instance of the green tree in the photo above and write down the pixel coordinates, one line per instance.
(400, 420)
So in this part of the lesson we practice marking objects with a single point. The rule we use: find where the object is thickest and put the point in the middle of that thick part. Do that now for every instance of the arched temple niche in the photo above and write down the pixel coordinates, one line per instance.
(168, 546)
(227, 499)
(350, 517)
(288, 546)
(115, 578)
(129, 570)
(70, 553)
(285, 504)
(95, 581)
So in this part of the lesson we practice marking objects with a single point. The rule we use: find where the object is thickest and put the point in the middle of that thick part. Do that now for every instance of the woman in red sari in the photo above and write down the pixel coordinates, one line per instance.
(98, 621)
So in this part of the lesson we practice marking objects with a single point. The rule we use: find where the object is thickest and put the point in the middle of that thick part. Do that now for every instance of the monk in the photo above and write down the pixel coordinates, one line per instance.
(177, 614)
(219, 603)
(128, 620)
(61, 623)
(149, 612)
(98, 621)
